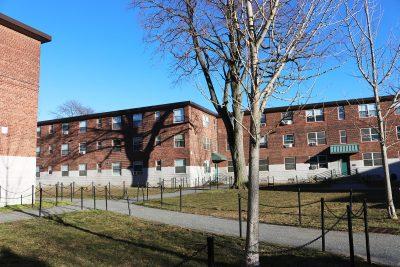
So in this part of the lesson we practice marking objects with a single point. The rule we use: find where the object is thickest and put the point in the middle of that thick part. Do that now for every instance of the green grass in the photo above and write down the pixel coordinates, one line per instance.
(45, 205)
(98, 238)
(224, 203)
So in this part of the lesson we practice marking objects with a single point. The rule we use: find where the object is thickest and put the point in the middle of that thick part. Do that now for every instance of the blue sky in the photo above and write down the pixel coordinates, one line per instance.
(98, 57)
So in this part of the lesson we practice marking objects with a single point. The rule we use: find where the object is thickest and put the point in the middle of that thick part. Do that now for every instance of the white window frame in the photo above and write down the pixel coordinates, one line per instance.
(288, 144)
(98, 167)
(312, 113)
(319, 163)
(82, 169)
(62, 150)
(38, 131)
(206, 121)
(342, 136)
(82, 151)
(263, 119)
(179, 118)
(369, 109)
(180, 166)
(157, 115)
(398, 132)
(317, 143)
(65, 168)
(83, 126)
(294, 164)
(137, 120)
(99, 145)
(207, 143)
(116, 148)
(50, 129)
(116, 121)
(261, 165)
(206, 166)
(157, 140)
(182, 140)
(158, 166)
(116, 164)
(50, 170)
(264, 141)
(63, 130)
(370, 135)
(38, 167)
(230, 166)
(339, 113)
(38, 151)
(99, 123)
(287, 117)
(51, 150)
(373, 158)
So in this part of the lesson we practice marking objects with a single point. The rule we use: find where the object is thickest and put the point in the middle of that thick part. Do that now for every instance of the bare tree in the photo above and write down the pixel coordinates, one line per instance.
(204, 39)
(377, 65)
(71, 108)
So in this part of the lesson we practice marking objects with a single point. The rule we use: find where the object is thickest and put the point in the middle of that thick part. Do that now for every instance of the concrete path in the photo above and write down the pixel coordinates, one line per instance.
(384, 248)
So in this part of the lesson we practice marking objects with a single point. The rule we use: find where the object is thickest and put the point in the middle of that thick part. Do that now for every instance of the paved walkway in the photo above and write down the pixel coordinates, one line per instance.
(384, 248)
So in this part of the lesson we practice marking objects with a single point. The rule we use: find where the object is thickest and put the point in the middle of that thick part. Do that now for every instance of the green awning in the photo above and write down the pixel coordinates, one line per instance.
(344, 149)
(217, 158)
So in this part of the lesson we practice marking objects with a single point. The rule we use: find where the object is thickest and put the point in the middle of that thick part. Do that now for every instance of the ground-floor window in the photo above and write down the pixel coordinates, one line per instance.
(180, 166)
(290, 163)
(64, 170)
(82, 169)
(207, 166)
(37, 171)
(116, 168)
(137, 167)
(158, 165)
(98, 167)
(263, 165)
(372, 159)
(319, 161)
(50, 170)
(230, 166)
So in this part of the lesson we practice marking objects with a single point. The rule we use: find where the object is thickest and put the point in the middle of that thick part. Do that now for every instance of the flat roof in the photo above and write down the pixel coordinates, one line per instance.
(22, 28)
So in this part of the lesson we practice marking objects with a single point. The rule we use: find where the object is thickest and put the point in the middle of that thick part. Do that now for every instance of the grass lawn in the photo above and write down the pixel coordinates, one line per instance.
(224, 203)
(98, 238)
(45, 205)
(116, 192)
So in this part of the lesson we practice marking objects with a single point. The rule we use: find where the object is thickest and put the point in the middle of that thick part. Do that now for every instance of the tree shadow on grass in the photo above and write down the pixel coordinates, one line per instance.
(9, 258)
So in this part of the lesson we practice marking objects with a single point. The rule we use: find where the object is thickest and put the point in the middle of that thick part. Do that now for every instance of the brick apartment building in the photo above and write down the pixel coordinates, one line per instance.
(178, 141)
(19, 86)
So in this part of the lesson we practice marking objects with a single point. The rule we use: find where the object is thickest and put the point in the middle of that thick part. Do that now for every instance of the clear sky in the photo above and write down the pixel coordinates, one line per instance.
(98, 57)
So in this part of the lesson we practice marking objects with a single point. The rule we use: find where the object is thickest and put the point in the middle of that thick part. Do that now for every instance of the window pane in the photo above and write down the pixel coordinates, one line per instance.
(230, 166)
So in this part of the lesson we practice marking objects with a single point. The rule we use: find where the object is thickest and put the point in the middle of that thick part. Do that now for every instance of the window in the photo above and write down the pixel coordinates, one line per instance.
(287, 117)
(341, 113)
(179, 115)
(50, 170)
(137, 143)
(50, 149)
(116, 168)
(343, 136)
(64, 149)
(180, 166)
(38, 151)
(207, 143)
(158, 165)
(116, 145)
(82, 169)
(316, 138)
(207, 166)
(116, 123)
(367, 110)
(179, 140)
(398, 132)
(315, 115)
(230, 166)
(38, 171)
(137, 120)
(99, 145)
(157, 140)
(157, 115)
(65, 128)
(263, 141)
(263, 119)
(137, 167)
(227, 145)
(64, 170)
(206, 121)
(397, 110)
(98, 167)
(38, 131)
(51, 129)
(369, 134)
(372, 159)
(263, 165)
(319, 161)
(290, 163)
(83, 126)
(99, 123)
(82, 148)
(288, 140)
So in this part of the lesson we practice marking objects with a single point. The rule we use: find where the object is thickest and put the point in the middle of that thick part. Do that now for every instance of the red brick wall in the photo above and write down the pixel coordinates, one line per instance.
(19, 78)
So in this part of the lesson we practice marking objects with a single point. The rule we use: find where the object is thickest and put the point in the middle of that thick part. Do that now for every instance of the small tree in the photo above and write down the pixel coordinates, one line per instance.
(71, 108)
(377, 66)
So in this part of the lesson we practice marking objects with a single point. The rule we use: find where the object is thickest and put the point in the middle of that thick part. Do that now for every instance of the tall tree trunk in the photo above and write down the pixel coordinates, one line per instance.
(382, 142)
(252, 236)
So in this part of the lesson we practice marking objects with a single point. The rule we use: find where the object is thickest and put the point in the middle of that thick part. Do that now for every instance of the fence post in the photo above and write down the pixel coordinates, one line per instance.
(365, 208)
(21, 199)
(323, 223)
(299, 203)
(217, 181)
(180, 198)
(105, 196)
(109, 190)
(81, 198)
(129, 205)
(210, 183)
(147, 191)
(240, 214)
(72, 191)
(161, 187)
(62, 191)
(94, 197)
(351, 199)
(137, 194)
(350, 230)
(210, 251)
(0, 192)
(123, 188)
(57, 194)
(40, 201)
(33, 195)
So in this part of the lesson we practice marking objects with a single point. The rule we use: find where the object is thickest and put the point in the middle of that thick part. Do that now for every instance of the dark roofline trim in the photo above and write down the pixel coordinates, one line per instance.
(22, 28)
(129, 112)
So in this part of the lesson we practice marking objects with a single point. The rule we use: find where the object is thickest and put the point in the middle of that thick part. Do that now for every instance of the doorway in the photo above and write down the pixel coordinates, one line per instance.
(345, 165)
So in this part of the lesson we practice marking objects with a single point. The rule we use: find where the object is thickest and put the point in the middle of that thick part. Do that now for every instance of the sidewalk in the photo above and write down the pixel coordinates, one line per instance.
(384, 248)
